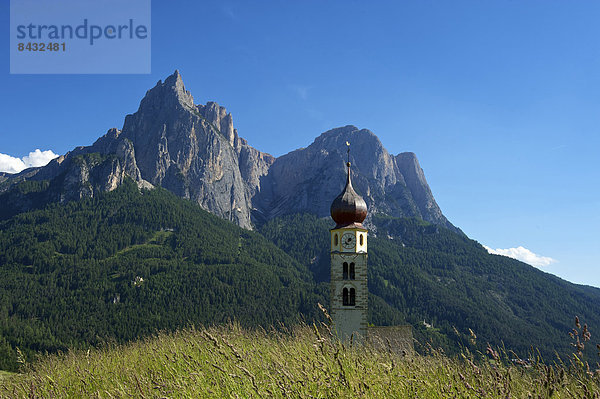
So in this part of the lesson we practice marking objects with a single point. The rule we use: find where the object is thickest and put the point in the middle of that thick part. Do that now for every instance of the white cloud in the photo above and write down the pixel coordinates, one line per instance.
(11, 164)
(524, 255)
(39, 158)
(35, 158)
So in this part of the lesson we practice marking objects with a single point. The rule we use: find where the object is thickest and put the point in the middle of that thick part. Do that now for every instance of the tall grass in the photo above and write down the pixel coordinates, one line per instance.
(229, 361)
(4, 374)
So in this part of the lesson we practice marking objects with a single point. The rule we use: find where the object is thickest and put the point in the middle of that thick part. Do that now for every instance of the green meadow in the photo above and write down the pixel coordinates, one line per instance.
(305, 362)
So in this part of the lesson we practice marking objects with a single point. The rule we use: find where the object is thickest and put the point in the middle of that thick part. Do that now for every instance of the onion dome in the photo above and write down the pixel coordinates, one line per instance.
(348, 209)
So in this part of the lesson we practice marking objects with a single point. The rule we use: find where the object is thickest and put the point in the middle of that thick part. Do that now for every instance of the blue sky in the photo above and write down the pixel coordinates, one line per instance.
(498, 99)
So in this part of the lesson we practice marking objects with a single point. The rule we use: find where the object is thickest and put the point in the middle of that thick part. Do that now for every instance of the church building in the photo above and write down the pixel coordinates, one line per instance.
(349, 292)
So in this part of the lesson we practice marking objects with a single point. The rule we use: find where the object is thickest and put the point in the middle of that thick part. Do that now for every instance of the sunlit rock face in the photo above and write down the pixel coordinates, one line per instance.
(195, 152)
(309, 178)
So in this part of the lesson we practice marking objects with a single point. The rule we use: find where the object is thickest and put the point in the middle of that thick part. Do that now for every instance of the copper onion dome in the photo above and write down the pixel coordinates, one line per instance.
(348, 208)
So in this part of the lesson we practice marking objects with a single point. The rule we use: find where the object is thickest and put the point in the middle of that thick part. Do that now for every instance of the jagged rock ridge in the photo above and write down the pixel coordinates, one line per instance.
(195, 152)
(309, 178)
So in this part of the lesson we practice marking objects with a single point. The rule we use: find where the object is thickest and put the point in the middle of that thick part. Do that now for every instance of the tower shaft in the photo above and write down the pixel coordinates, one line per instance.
(349, 290)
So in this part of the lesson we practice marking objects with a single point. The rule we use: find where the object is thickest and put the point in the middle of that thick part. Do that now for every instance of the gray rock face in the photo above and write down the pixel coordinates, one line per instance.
(83, 172)
(191, 150)
(308, 179)
(195, 152)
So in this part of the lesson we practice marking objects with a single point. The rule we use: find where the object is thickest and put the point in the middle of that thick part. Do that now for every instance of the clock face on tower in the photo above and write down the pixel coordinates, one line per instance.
(348, 240)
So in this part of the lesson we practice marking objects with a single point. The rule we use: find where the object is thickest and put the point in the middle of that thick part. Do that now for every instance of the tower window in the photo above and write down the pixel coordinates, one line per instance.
(361, 239)
(349, 297)
(335, 240)
(352, 271)
(345, 271)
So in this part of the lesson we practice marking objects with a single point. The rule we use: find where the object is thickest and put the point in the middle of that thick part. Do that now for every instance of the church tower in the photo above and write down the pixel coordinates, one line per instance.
(349, 292)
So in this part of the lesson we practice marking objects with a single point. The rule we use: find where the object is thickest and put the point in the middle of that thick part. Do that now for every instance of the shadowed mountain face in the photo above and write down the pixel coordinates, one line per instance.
(308, 179)
(195, 152)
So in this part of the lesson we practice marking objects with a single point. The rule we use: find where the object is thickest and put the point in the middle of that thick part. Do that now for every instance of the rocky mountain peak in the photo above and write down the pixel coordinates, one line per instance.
(167, 96)
(308, 178)
(195, 152)
(175, 84)
(106, 144)
(334, 136)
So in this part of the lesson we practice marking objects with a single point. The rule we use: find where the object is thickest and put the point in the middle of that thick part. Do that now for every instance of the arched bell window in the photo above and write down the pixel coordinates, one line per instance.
(335, 240)
(352, 299)
(361, 239)
(351, 271)
(345, 297)
(345, 270)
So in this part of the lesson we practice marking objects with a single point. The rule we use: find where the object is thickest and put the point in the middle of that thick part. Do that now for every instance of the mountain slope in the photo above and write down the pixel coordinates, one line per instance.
(127, 263)
(432, 274)
(306, 180)
(192, 150)
(195, 152)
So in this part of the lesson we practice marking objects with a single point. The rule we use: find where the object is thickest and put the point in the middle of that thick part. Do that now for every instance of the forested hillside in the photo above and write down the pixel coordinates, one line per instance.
(423, 272)
(128, 263)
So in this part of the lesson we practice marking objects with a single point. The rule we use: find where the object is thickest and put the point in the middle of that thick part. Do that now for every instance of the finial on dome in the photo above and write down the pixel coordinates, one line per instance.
(348, 208)
(348, 163)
